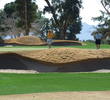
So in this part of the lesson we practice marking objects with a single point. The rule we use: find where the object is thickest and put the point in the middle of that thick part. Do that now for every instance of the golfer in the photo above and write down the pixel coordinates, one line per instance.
(98, 37)
(50, 36)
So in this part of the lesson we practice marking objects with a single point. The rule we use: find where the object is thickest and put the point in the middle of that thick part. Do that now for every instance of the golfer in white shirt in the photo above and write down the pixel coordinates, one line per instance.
(98, 37)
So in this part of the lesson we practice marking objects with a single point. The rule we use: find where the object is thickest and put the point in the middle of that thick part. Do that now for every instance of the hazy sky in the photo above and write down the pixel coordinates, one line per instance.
(90, 9)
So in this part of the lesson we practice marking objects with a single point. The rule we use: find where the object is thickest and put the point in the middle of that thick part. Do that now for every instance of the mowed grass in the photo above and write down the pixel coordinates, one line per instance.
(93, 46)
(20, 48)
(53, 82)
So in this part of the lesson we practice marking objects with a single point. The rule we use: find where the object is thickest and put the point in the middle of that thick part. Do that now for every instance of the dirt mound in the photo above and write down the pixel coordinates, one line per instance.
(26, 40)
(65, 55)
(57, 60)
(66, 43)
(32, 40)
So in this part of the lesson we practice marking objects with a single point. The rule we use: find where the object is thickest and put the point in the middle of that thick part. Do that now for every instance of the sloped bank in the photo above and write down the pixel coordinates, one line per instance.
(18, 62)
(57, 60)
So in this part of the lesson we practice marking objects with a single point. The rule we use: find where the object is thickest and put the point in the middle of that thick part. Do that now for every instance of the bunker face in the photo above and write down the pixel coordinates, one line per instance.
(11, 61)
(87, 65)
(15, 61)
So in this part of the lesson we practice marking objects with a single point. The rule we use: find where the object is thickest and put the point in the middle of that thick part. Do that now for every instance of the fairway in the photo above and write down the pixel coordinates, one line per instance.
(53, 82)
(22, 48)
(87, 45)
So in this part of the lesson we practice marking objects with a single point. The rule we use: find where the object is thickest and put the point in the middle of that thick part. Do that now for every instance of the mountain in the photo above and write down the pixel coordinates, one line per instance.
(86, 32)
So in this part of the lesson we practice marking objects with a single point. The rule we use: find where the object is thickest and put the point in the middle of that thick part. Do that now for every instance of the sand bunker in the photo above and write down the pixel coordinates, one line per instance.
(33, 40)
(66, 43)
(26, 40)
(95, 95)
(57, 60)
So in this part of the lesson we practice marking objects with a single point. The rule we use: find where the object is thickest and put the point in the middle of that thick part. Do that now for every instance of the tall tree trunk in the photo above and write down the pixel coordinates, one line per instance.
(26, 20)
(27, 31)
(63, 34)
(53, 12)
(63, 31)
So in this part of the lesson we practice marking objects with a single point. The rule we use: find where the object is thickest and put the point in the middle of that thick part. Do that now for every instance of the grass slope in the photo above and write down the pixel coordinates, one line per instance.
(53, 82)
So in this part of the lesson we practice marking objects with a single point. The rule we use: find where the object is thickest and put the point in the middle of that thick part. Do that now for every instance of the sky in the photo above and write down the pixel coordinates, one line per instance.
(91, 8)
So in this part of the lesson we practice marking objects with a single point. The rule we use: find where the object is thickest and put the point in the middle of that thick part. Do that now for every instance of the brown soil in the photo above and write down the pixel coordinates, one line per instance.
(66, 43)
(32, 40)
(57, 60)
(102, 95)
(25, 40)
(65, 55)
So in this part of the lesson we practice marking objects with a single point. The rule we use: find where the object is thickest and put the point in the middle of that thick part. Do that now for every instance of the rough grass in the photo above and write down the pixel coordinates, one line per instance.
(53, 82)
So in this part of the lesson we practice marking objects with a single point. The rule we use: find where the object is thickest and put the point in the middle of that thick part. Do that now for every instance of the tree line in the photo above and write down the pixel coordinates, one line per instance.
(104, 20)
(23, 16)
